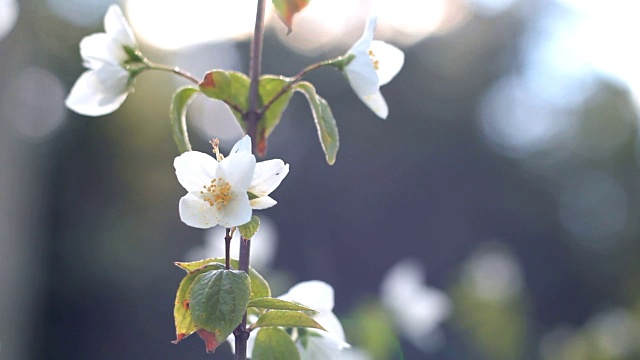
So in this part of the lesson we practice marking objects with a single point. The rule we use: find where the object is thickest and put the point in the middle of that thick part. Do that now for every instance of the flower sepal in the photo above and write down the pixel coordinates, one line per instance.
(341, 62)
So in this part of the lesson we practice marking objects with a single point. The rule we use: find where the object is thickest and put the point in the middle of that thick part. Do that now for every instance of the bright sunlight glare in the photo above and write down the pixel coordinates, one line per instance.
(324, 23)
(174, 24)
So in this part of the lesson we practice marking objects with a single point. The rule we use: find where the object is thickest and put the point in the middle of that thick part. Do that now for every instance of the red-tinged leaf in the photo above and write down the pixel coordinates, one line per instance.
(210, 342)
(286, 9)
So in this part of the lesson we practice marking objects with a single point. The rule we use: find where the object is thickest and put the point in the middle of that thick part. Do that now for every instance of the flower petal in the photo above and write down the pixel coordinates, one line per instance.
(99, 92)
(267, 176)
(330, 322)
(321, 347)
(263, 202)
(315, 294)
(362, 76)
(361, 47)
(237, 169)
(197, 213)
(243, 145)
(377, 104)
(195, 169)
(118, 28)
(390, 60)
(100, 49)
(237, 211)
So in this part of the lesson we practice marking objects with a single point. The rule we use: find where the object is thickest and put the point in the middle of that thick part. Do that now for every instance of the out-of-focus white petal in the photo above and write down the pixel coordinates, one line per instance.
(330, 322)
(416, 308)
(238, 170)
(320, 347)
(99, 92)
(390, 60)
(243, 145)
(9, 11)
(195, 170)
(263, 202)
(268, 176)
(237, 211)
(355, 354)
(197, 213)
(377, 104)
(315, 294)
(118, 28)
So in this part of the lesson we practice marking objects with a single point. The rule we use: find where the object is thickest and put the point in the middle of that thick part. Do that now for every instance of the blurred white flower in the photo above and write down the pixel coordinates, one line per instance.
(317, 344)
(104, 87)
(417, 310)
(8, 16)
(374, 63)
(313, 344)
(263, 245)
(217, 191)
(494, 273)
(617, 332)
(355, 354)
(266, 178)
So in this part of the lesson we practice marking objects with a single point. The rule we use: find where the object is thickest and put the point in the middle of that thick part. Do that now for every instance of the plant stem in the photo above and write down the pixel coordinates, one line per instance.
(252, 116)
(295, 80)
(241, 333)
(176, 70)
(227, 248)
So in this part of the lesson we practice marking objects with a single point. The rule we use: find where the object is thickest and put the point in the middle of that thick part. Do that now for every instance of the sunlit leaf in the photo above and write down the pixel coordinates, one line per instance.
(270, 87)
(325, 122)
(277, 304)
(286, 9)
(232, 87)
(219, 300)
(182, 309)
(249, 229)
(286, 318)
(259, 286)
(273, 343)
(178, 115)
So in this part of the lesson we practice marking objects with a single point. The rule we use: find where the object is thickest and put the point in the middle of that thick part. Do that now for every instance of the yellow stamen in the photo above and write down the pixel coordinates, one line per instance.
(376, 63)
(218, 193)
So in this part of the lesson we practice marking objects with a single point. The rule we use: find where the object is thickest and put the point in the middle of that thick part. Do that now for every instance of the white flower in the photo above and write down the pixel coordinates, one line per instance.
(104, 87)
(416, 309)
(313, 344)
(374, 63)
(266, 178)
(318, 344)
(217, 191)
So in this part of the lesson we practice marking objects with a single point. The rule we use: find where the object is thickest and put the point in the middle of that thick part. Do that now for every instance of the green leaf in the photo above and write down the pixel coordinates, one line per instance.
(270, 86)
(249, 229)
(181, 100)
(259, 286)
(325, 122)
(182, 309)
(277, 304)
(286, 9)
(273, 343)
(231, 87)
(286, 318)
(219, 300)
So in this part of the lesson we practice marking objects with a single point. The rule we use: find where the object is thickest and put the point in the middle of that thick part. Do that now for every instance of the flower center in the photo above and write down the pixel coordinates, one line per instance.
(217, 193)
(376, 63)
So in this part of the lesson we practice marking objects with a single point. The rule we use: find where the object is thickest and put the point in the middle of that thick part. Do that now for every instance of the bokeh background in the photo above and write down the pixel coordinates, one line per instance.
(503, 187)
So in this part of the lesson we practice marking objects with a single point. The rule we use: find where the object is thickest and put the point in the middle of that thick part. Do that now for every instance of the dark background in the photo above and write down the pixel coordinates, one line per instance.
(89, 216)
